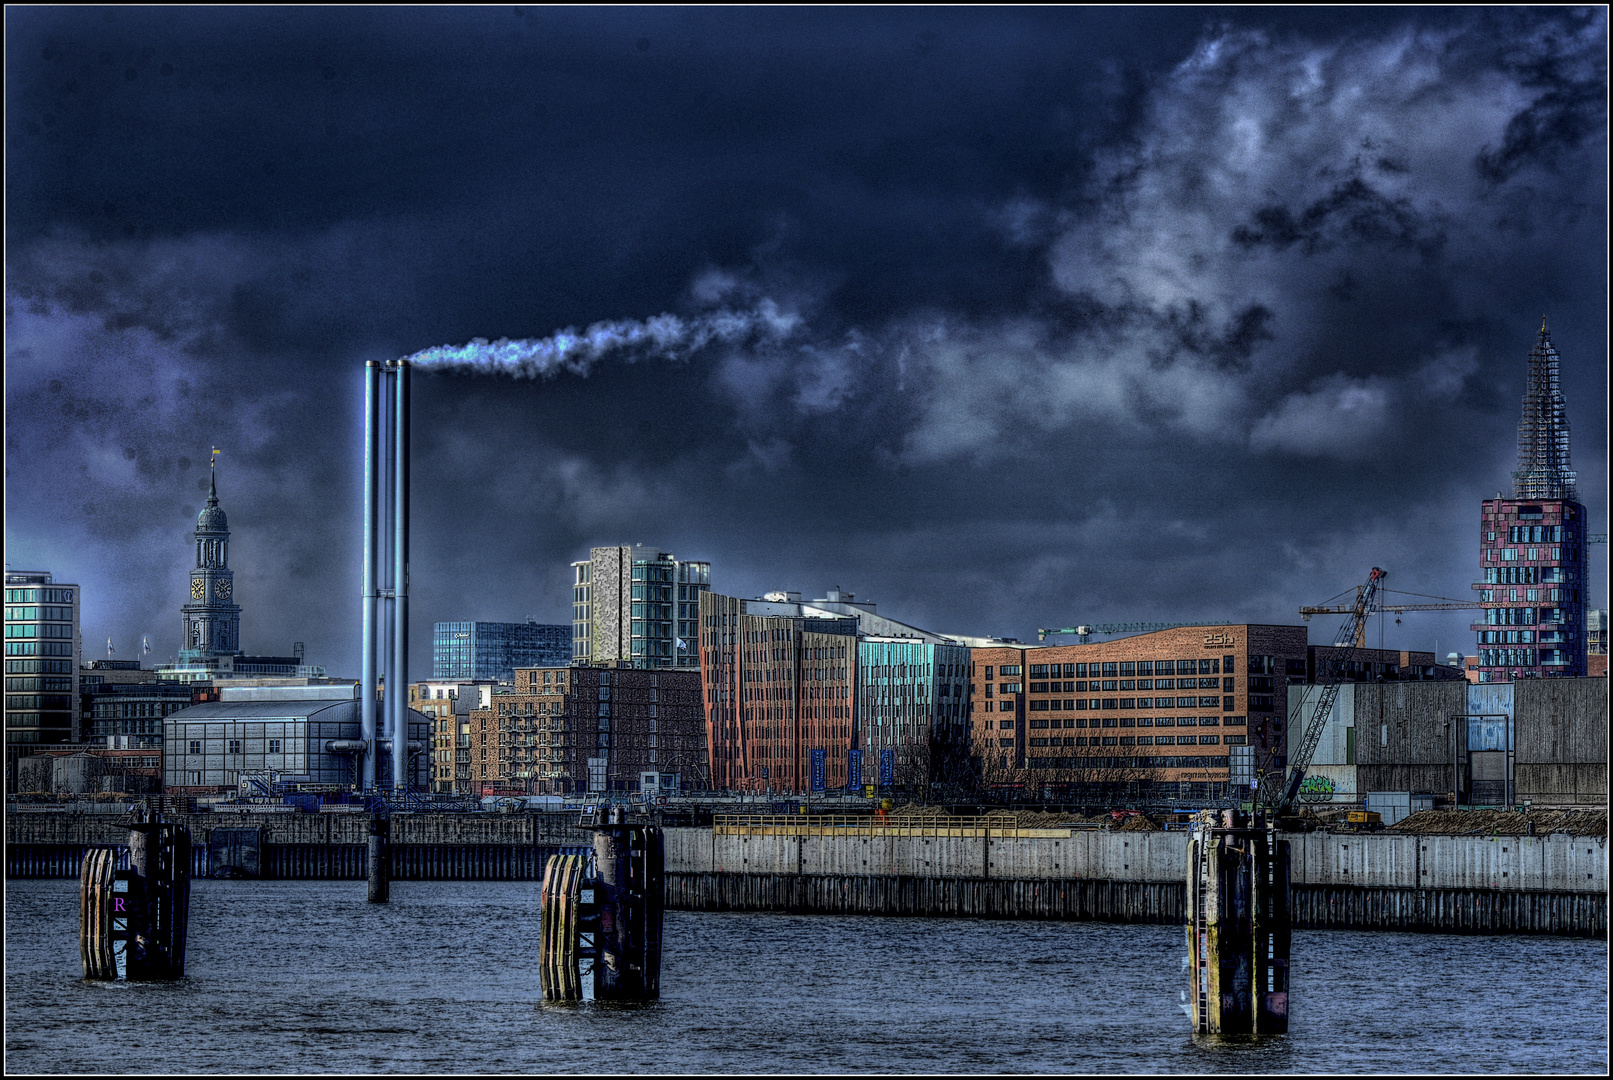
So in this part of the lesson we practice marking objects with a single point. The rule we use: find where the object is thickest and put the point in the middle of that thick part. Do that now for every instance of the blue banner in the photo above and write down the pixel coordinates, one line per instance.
(817, 770)
(887, 767)
(854, 768)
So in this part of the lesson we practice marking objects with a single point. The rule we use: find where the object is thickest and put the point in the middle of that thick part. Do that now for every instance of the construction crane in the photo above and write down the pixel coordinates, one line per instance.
(1447, 603)
(1277, 793)
(1084, 632)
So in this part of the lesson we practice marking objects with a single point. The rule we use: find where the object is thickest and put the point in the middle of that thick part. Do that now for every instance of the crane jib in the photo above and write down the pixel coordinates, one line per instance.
(1281, 797)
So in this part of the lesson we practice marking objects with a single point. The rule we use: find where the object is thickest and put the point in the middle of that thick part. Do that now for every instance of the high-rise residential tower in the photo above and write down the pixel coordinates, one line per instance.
(638, 606)
(1533, 545)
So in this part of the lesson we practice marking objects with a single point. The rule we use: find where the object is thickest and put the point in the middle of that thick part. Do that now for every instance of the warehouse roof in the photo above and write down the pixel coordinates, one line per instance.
(268, 710)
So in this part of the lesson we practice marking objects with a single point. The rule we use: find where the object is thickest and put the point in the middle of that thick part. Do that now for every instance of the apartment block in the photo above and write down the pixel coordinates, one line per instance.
(1533, 558)
(446, 706)
(637, 604)
(589, 730)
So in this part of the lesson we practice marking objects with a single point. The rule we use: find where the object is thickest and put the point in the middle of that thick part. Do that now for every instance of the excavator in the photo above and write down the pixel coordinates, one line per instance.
(1278, 794)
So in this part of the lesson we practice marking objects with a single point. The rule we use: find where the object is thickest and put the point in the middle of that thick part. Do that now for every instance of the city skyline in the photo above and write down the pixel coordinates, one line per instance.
(999, 319)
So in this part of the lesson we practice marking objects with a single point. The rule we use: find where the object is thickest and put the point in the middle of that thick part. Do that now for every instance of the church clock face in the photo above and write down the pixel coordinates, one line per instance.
(198, 588)
(221, 590)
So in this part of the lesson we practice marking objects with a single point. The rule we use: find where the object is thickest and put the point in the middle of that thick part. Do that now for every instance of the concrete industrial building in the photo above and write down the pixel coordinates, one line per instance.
(638, 604)
(306, 734)
(477, 651)
(43, 654)
(1331, 777)
(1533, 546)
(1538, 741)
(778, 682)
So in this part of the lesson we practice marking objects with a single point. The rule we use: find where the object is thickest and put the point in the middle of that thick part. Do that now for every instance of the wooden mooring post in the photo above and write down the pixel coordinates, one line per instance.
(1238, 927)
(612, 918)
(132, 923)
(378, 868)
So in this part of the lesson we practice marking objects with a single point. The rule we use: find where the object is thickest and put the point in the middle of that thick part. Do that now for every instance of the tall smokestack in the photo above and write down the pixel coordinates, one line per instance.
(400, 578)
(373, 424)
(386, 572)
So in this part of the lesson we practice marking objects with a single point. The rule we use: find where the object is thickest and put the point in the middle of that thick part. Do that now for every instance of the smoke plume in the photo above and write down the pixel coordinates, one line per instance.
(665, 336)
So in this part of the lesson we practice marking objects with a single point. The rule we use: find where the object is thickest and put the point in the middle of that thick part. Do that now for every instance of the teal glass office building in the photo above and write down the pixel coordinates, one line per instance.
(471, 651)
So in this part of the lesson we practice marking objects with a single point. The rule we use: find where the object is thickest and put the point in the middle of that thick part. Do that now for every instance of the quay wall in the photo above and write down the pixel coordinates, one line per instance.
(1544, 884)
(1462, 884)
(1556, 863)
(299, 828)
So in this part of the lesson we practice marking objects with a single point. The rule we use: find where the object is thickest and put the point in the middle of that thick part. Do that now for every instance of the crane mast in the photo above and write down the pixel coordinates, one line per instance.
(1280, 793)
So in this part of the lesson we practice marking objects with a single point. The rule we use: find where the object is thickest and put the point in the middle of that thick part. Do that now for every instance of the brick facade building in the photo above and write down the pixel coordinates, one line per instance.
(1171, 709)
(780, 694)
(589, 730)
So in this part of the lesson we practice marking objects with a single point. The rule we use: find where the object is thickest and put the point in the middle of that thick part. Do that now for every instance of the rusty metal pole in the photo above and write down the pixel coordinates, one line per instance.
(159, 859)
(1239, 928)
(379, 862)
(628, 858)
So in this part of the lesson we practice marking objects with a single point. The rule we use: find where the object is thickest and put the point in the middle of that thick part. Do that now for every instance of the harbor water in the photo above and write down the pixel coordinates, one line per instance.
(305, 977)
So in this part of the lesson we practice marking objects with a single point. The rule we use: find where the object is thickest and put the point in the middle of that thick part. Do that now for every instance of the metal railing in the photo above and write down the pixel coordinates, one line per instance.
(989, 826)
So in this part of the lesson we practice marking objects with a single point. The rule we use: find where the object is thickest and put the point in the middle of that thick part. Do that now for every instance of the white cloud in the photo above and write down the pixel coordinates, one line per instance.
(1339, 418)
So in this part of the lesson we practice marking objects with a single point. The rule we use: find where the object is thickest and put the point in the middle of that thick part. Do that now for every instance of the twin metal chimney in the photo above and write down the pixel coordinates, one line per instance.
(386, 570)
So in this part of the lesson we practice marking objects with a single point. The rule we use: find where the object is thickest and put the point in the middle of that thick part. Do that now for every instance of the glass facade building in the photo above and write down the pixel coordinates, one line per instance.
(471, 651)
(42, 662)
(912, 707)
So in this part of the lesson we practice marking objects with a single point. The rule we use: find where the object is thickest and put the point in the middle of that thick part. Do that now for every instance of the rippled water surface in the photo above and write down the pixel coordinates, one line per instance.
(303, 976)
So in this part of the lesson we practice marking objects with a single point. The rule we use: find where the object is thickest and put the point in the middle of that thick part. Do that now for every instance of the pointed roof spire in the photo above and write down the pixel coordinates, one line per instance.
(212, 519)
(1543, 470)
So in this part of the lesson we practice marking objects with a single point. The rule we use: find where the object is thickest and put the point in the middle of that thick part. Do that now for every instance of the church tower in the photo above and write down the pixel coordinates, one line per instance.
(212, 618)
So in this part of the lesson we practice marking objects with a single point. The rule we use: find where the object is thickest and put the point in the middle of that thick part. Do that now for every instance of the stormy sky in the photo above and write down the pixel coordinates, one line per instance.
(1002, 319)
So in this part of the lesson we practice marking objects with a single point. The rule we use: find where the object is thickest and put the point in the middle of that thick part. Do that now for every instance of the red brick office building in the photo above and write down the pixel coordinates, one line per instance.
(1173, 708)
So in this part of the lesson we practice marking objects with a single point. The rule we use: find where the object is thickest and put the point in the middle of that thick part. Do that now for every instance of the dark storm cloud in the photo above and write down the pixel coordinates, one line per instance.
(1006, 318)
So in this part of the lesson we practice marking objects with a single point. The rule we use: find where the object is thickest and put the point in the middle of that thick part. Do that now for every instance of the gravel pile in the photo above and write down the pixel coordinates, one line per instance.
(1503, 822)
